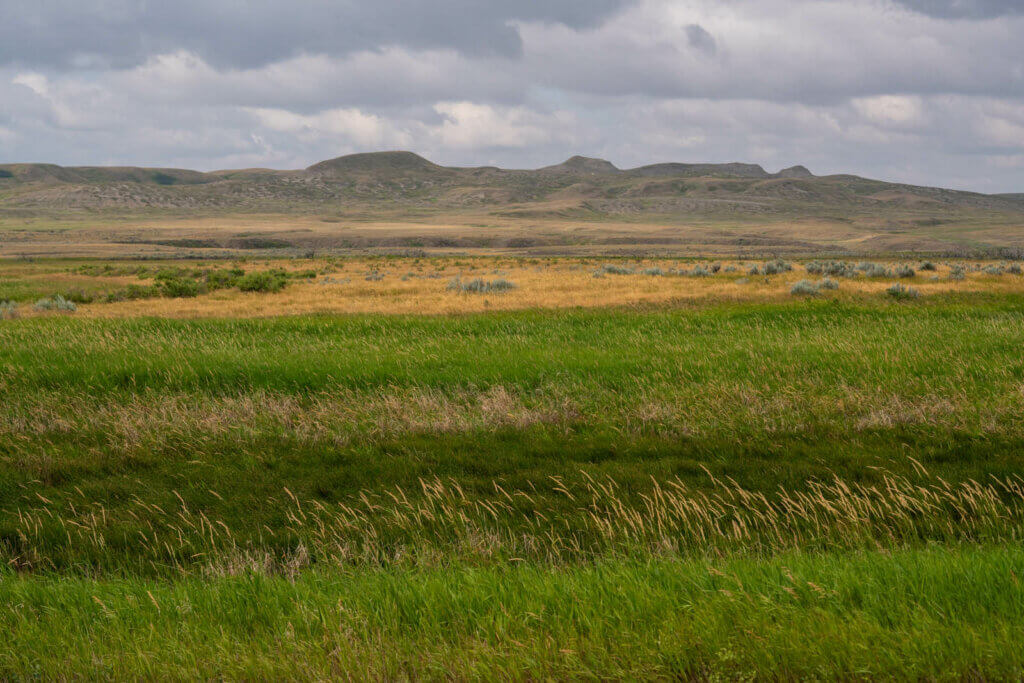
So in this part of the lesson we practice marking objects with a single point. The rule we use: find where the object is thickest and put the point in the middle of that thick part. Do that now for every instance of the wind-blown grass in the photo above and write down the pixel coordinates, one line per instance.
(933, 614)
(797, 489)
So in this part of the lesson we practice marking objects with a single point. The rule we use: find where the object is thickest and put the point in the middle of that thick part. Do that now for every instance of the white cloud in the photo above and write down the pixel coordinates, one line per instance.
(898, 110)
(348, 126)
(471, 125)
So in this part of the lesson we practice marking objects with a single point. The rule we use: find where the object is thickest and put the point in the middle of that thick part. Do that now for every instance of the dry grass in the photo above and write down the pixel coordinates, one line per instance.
(562, 283)
(596, 517)
(145, 422)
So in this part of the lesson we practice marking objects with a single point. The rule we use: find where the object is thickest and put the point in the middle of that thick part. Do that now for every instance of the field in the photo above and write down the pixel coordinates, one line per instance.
(488, 465)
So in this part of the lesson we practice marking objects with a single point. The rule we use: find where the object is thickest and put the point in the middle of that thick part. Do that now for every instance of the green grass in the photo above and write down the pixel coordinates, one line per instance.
(228, 414)
(529, 494)
(941, 614)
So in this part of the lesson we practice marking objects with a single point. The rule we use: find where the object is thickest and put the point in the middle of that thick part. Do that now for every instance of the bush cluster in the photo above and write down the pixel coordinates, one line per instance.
(8, 309)
(811, 288)
(57, 303)
(263, 281)
(901, 292)
(480, 286)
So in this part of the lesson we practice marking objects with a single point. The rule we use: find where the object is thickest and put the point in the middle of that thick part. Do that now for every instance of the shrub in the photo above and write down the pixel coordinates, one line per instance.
(179, 288)
(900, 292)
(829, 283)
(754, 270)
(374, 277)
(877, 270)
(814, 268)
(927, 265)
(653, 271)
(804, 288)
(993, 270)
(613, 269)
(699, 271)
(79, 296)
(838, 269)
(1014, 269)
(263, 281)
(480, 286)
(777, 266)
(222, 279)
(8, 310)
(133, 292)
(956, 272)
(729, 269)
(905, 271)
(57, 303)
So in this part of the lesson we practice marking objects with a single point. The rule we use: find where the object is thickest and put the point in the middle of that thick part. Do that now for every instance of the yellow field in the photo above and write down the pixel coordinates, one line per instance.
(420, 286)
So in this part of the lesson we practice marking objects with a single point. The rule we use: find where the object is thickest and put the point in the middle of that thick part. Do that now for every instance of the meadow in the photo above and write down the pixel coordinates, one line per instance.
(478, 466)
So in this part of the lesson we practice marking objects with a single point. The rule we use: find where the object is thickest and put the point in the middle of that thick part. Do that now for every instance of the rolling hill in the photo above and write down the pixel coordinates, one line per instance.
(406, 177)
(580, 201)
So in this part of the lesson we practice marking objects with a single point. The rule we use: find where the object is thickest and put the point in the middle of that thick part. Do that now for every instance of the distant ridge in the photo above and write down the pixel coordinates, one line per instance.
(580, 187)
(583, 166)
(375, 162)
(397, 161)
(794, 172)
(733, 169)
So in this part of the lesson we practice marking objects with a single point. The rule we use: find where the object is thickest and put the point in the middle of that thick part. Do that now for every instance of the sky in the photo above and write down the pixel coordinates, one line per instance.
(928, 92)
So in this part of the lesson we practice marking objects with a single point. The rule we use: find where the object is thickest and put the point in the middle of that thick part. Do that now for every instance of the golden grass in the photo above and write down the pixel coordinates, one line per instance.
(593, 517)
(419, 286)
(564, 283)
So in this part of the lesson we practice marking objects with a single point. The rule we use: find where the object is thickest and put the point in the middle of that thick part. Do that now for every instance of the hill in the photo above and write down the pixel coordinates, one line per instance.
(687, 207)
(583, 166)
(374, 162)
(403, 177)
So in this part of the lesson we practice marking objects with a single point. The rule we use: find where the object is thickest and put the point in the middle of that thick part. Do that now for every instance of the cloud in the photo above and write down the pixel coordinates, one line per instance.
(922, 91)
(974, 9)
(700, 39)
(124, 33)
(783, 50)
(472, 125)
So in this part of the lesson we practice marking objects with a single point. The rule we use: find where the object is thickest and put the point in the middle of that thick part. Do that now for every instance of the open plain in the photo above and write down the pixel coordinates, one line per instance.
(471, 430)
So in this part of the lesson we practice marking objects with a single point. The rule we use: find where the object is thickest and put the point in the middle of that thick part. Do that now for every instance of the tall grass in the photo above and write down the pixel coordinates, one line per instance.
(439, 522)
(928, 614)
(808, 488)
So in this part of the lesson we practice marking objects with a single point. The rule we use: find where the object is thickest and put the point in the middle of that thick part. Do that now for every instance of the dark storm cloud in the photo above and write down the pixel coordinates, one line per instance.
(975, 9)
(700, 39)
(121, 33)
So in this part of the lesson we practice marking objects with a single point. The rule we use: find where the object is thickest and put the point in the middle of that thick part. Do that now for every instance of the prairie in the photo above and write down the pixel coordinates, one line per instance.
(384, 466)
(396, 285)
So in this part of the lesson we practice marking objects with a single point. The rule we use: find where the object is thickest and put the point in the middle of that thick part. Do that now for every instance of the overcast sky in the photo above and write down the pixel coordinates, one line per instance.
(921, 91)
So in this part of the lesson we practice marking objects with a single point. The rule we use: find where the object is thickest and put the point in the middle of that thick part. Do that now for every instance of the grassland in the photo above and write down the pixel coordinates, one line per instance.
(931, 613)
(392, 285)
(638, 474)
